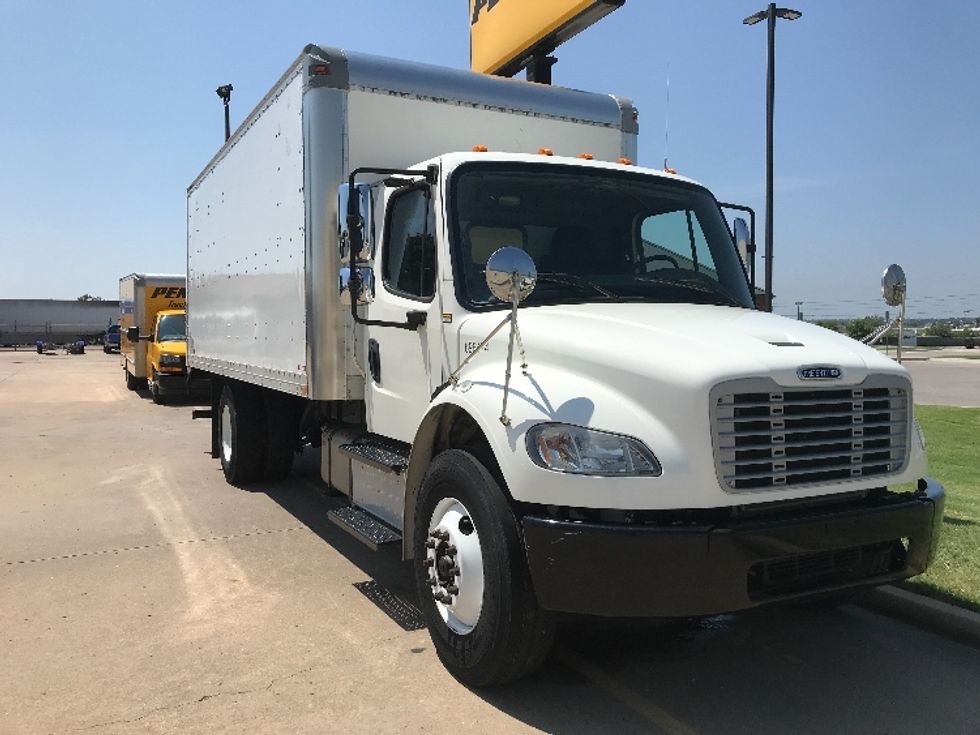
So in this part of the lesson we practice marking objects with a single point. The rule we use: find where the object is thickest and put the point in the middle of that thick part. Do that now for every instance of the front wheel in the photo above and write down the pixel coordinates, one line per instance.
(470, 570)
(241, 433)
(158, 397)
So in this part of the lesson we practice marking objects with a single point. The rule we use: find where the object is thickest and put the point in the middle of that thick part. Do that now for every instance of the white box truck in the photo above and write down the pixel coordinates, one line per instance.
(636, 439)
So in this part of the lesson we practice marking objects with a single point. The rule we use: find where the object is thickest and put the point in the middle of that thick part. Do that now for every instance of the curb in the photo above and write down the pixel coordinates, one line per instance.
(938, 617)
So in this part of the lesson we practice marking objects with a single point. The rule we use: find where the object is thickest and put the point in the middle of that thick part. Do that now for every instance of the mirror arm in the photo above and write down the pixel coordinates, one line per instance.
(354, 224)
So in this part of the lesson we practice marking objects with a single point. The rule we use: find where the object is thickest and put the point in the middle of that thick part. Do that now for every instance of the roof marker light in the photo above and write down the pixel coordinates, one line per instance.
(669, 170)
(480, 148)
(545, 152)
(586, 156)
(625, 161)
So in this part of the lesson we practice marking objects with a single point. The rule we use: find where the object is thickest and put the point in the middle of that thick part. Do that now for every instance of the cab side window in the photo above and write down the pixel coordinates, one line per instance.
(409, 261)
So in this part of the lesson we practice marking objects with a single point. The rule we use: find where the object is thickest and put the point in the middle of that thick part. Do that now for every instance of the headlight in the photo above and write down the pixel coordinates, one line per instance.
(171, 360)
(566, 448)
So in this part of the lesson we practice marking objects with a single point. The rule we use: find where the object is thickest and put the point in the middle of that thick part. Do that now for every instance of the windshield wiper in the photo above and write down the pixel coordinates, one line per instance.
(730, 300)
(569, 279)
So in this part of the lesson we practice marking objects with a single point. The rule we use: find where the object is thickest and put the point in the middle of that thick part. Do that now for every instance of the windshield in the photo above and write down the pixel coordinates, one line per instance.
(594, 235)
(171, 327)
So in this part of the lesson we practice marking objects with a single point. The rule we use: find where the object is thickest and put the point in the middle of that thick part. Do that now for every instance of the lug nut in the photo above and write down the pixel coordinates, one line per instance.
(450, 550)
(430, 543)
(440, 534)
(428, 562)
(452, 589)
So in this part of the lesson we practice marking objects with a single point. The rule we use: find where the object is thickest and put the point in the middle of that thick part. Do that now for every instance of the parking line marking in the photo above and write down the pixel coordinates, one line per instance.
(659, 717)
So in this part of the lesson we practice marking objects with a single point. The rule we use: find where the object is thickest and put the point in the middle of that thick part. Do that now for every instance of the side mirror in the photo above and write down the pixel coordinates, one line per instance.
(364, 221)
(893, 285)
(133, 334)
(365, 292)
(511, 274)
(743, 241)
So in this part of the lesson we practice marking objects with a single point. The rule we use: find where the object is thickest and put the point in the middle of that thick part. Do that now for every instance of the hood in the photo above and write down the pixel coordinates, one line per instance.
(174, 347)
(690, 343)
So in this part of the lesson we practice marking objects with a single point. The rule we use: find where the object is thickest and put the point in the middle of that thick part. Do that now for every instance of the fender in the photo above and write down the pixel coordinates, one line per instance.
(471, 411)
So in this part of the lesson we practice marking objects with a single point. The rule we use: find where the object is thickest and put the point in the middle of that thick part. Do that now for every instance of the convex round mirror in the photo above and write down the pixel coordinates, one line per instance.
(510, 269)
(893, 285)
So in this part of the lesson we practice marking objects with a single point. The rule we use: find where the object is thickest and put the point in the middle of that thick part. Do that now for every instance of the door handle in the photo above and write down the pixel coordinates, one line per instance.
(374, 360)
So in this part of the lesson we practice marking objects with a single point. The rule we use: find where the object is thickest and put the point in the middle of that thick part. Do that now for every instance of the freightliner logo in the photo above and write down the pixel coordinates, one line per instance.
(818, 372)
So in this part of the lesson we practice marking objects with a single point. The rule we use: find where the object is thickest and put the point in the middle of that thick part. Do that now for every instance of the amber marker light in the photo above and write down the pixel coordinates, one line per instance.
(586, 156)
(625, 161)
(480, 148)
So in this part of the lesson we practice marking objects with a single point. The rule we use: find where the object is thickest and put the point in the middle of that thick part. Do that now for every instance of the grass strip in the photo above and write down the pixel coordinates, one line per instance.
(953, 443)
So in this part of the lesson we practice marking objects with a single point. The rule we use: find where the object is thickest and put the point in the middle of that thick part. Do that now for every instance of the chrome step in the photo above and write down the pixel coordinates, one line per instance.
(364, 527)
(378, 453)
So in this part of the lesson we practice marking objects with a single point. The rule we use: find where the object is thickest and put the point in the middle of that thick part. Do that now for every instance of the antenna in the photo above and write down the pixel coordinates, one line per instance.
(667, 118)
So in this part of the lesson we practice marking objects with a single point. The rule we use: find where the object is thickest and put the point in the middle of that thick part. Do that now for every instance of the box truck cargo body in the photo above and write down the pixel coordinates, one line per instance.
(533, 364)
(265, 285)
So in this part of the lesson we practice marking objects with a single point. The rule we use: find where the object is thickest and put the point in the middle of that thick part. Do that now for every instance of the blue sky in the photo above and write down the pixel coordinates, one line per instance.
(109, 111)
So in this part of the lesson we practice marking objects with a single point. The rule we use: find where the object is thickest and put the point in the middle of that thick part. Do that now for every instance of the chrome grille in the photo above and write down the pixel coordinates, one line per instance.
(769, 437)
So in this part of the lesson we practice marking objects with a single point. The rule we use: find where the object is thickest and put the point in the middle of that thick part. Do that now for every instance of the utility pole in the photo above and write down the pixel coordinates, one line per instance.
(799, 312)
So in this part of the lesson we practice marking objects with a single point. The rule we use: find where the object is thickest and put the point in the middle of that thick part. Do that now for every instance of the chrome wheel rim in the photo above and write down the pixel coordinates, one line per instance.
(226, 433)
(454, 562)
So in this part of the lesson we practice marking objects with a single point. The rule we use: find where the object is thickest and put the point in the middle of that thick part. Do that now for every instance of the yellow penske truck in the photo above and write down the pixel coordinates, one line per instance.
(153, 312)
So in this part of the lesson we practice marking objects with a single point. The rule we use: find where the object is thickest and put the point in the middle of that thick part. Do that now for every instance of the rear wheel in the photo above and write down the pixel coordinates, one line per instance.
(241, 433)
(474, 586)
(281, 436)
(132, 382)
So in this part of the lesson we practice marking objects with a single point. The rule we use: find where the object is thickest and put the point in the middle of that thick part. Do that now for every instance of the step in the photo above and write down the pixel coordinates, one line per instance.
(364, 527)
(380, 454)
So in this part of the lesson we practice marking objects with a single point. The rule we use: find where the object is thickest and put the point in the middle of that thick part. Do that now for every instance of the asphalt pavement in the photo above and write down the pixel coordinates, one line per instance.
(945, 381)
(139, 593)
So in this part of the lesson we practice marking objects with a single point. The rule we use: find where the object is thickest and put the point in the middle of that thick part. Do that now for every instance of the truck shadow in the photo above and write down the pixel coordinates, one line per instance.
(776, 670)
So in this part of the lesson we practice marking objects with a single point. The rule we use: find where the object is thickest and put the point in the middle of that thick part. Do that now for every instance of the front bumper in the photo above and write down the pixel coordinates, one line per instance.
(686, 570)
(177, 384)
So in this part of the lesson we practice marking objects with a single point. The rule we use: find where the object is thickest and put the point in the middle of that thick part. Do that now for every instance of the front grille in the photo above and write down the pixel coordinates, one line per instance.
(809, 572)
(785, 437)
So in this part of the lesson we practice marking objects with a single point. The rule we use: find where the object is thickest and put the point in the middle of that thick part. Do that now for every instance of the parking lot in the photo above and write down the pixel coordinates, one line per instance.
(141, 593)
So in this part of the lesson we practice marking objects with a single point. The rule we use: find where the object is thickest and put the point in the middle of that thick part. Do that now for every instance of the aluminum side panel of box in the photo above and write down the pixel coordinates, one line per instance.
(246, 252)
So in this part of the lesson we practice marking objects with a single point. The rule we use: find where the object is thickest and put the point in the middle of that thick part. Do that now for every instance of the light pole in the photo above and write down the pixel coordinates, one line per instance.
(799, 311)
(770, 14)
(224, 92)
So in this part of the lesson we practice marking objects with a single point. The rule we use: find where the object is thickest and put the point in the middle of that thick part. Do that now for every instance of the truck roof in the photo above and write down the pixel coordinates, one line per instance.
(350, 71)
(452, 160)
(154, 276)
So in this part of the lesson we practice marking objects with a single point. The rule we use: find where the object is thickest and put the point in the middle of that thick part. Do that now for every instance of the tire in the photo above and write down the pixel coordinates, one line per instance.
(158, 397)
(491, 631)
(241, 434)
(132, 382)
(281, 436)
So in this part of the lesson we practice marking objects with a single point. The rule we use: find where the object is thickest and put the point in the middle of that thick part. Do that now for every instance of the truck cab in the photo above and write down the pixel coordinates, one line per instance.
(166, 351)
(111, 339)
